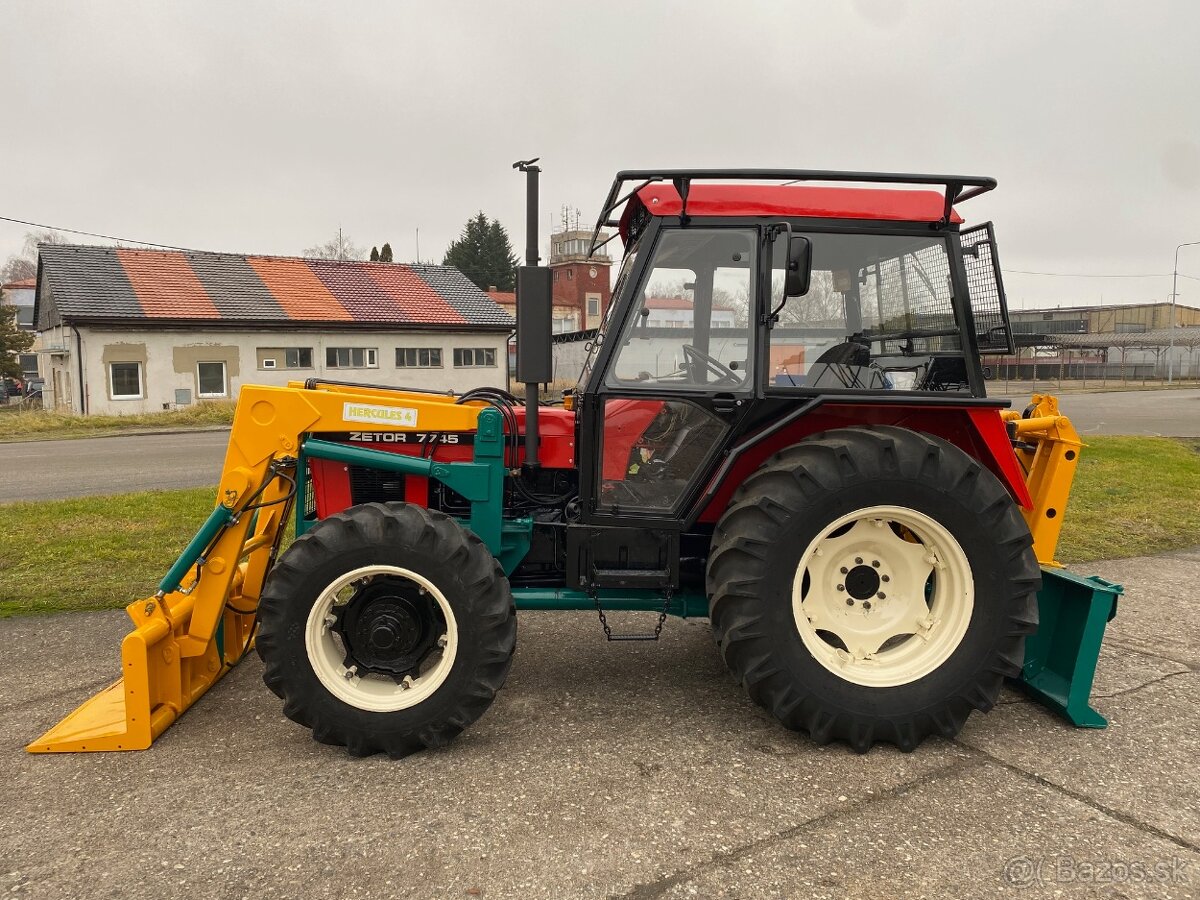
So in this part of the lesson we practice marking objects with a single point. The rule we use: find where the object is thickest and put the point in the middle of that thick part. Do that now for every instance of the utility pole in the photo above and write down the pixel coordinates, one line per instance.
(1174, 289)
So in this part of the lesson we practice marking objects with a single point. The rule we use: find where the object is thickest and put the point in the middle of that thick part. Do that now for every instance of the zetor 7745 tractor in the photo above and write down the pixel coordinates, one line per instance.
(781, 424)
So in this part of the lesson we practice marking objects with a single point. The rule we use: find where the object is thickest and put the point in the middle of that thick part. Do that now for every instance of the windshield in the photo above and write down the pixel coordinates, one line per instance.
(690, 322)
(627, 265)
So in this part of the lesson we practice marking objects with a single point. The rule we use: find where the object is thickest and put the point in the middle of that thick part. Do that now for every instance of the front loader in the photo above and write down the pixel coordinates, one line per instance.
(781, 425)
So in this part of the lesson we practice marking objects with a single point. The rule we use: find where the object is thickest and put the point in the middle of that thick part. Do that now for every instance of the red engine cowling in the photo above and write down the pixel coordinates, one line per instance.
(332, 483)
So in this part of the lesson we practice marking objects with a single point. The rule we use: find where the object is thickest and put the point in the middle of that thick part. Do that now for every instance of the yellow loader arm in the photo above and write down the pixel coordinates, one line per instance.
(1048, 449)
(187, 637)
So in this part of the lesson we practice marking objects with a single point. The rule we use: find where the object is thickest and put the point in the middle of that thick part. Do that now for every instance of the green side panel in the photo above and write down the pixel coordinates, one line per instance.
(482, 482)
(685, 604)
(515, 538)
(1060, 659)
(302, 480)
(217, 520)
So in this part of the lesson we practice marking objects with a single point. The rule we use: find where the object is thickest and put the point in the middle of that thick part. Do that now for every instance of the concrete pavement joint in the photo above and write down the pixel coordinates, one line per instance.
(659, 887)
(1132, 821)
(1116, 642)
(1139, 687)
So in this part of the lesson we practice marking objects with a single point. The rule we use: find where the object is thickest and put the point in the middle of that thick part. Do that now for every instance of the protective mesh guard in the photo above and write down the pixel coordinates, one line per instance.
(913, 302)
(988, 303)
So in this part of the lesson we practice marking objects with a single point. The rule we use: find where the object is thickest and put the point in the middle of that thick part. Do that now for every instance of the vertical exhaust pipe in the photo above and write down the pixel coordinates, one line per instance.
(535, 362)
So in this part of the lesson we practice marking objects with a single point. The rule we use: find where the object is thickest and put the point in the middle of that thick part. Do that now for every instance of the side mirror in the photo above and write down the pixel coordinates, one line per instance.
(799, 266)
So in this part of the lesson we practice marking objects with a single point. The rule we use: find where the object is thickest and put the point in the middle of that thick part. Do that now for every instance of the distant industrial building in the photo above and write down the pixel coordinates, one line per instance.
(1126, 318)
(1129, 340)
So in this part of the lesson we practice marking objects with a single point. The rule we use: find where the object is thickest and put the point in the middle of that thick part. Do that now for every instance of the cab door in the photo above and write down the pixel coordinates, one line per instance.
(676, 375)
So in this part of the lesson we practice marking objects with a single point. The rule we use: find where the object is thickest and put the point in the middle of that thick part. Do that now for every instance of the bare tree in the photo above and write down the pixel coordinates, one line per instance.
(17, 268)
(338, 247)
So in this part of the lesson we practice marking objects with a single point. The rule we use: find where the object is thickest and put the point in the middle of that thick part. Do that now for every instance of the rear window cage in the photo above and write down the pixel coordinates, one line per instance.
(985, 289)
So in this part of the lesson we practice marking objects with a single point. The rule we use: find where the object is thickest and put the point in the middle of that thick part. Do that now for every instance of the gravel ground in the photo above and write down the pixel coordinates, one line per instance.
(616, 770)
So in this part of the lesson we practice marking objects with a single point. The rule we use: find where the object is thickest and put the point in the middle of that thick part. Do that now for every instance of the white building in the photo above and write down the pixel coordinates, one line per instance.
(129, 331)
(19, 294)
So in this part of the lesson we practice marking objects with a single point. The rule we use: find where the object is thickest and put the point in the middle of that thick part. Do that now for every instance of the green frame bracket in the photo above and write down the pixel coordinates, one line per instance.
(1061, 657)
(480, 481)
(217, 520)
(684, 604)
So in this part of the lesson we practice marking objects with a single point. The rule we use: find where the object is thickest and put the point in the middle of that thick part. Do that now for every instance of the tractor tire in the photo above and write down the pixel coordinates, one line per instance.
(872, 585)
(386, 628)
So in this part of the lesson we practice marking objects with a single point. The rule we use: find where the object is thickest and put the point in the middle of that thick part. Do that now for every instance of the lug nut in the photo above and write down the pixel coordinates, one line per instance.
(841, 587)
(885, 578)
(875, 563)
(858, 560)
(849, 601)
(866, 604)
(881, 595)
(844, 570)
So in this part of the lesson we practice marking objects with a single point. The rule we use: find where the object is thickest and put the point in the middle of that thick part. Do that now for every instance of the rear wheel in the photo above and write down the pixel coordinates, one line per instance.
(386, 628)
(872, 584)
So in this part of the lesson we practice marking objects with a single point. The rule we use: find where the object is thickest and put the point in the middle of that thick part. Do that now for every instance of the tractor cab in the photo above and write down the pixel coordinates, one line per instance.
(736, 301)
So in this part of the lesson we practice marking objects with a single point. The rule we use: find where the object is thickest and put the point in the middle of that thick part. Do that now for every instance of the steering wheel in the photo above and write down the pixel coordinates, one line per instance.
(725, 375)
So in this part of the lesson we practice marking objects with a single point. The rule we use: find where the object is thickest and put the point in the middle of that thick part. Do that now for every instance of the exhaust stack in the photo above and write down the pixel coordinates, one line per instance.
(535, 364)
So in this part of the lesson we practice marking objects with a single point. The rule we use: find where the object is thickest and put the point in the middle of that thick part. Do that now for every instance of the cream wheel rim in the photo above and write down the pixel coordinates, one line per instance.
(367, 690)
(883, 596)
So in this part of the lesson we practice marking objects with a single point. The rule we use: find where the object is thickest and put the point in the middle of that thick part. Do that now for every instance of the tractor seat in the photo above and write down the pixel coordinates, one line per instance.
(847, 365)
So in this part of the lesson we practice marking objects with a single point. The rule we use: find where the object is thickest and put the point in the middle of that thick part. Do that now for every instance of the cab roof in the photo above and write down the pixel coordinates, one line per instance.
(662, 199)
(803, 193)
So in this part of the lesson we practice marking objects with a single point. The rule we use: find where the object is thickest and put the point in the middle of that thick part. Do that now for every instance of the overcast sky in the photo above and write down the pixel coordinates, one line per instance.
(261, 127)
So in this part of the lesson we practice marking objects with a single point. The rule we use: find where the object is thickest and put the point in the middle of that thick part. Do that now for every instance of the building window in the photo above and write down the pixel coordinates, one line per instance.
(351, 358)
(125, 380)
(297, 358)
(570, 274)
(593, 305)
(474, 357)
(418, 357)
(210, 380)
(285, 357)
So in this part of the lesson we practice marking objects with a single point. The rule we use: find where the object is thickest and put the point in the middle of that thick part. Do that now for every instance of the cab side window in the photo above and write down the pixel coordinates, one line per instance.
(878, 315)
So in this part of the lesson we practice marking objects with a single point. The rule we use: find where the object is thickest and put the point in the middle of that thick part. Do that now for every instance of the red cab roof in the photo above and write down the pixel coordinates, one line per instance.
(881, 204)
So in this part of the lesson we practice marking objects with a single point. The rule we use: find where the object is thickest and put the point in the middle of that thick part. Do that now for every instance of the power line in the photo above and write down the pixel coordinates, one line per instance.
(107, 237)
(1082, 275)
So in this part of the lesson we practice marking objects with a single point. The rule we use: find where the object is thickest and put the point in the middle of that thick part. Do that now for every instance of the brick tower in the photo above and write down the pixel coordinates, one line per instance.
(580, 284)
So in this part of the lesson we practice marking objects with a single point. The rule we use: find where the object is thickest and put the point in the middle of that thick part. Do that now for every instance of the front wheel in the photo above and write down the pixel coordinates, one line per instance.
(386, 628)
(872, 584)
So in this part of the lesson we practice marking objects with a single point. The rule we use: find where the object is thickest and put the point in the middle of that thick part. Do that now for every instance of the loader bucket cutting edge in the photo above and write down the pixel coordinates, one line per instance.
(157, 686)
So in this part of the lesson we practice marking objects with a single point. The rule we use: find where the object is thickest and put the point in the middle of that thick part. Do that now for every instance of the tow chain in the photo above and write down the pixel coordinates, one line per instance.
(668, 594)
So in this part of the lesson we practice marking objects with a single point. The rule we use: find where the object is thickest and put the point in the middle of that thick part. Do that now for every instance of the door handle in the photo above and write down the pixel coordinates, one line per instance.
(725, 403)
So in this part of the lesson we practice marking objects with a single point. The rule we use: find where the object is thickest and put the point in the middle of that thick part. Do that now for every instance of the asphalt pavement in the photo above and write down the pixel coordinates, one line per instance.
(621, 770)
(46, 470)
(50, 470)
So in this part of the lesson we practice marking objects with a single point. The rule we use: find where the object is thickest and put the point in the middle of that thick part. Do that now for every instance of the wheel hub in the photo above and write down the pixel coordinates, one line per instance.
(387, 629)
(862, 583)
